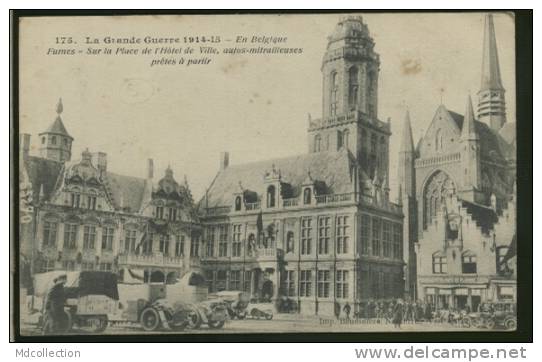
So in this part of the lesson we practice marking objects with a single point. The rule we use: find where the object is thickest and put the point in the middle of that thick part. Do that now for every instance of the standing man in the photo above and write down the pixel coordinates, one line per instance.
(55, 317)
(346, 310)
(398, 314)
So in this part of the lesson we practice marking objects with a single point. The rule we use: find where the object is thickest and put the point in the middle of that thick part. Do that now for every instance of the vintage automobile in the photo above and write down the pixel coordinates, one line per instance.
(503, 316)
(175, 306)
(91, 297)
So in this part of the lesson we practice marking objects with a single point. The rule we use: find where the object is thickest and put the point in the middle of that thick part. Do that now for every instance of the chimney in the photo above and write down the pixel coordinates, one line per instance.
(24, 143)
(100, 161)
(224, 160)
(150, 168)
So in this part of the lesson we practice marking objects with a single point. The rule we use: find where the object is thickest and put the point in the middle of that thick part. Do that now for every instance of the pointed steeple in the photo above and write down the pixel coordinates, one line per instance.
(469, 128)
(491, 74)
(407, 141)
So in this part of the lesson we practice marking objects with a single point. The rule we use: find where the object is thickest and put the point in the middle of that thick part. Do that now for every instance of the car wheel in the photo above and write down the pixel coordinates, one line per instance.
(150, 319)
(490, 323)
(466, 323)
(242, 315)
(194, 319)
(216, 324)
(268, 316)
(511, 324)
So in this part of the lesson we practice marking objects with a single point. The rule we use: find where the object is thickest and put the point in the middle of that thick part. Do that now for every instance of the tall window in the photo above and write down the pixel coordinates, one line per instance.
(341, 284)
(75, 200)
(194, 246)
(290, 242)
(89, 237)
(342, 234)
(159, 212)
(305, 283)
(397, 241)
(210, 278)
(317, 143)
(235, 280)
(221, 277)
(376, 236)
(53, 140)
(365, 232)
(323, 283)
(179, 245)
(334, 88)
(307, 196)
(339, 140)
(271, 196)
(91, 202)
(247, 280)
(129, 240)
(223, 240)
(49, 233)
(107, 238)
(147, 244)
(211, 239)
(386, 239)
(236, 241)
(346, 138)
(468, 263)
(238, 203)
(164, 244)
(306, 236)
(353, 87)
(288, 283)
(172, 214)
(324, 231)
(440, 265)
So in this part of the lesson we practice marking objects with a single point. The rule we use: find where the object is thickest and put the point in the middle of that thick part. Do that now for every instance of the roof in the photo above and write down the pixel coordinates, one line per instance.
(42, 171)
(491, 74)
(508, 132)
(57, 127)
(128, 188)
(489, 140)
(333, 168)
(484, 216)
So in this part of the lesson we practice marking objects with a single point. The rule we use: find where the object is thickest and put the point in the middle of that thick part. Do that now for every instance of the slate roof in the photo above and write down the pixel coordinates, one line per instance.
(57, 127)
(489, 139)
(333, 168)
(44, 172)
(129, 188)
(484, 216)
(508, 132)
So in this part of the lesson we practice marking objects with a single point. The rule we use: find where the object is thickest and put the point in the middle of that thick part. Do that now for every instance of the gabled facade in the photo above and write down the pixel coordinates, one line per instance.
(318, 228)
(460, 214)
(81, 216)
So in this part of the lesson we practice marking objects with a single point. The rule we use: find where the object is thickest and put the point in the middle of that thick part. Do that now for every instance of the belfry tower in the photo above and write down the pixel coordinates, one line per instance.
(55, 141)
(491, 102)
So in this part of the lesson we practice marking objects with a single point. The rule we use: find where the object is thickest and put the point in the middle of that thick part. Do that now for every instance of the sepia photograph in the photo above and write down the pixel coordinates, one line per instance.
(271, 173)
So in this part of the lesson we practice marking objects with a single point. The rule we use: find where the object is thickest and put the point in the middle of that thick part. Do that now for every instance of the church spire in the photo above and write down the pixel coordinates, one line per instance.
(469, 128)
(491, 101)
(491, 73)
(407, 142)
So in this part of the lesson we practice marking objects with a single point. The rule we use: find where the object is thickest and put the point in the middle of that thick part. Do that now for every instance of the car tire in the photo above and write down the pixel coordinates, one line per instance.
(194, 319)
(511, 324)
(150, 319)
(490, 323)
(466, 323)
(268, 316)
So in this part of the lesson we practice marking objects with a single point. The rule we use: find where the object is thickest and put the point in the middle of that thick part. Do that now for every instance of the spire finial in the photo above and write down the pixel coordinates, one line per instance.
(59, 107)
(407, 143)
(469, 128)
(491, 74)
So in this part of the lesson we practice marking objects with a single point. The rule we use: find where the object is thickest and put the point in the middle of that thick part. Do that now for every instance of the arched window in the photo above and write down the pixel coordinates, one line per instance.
(468, 263)
(317, 143)
(271, 196)
(238, 203)
(334, 88)
(440, 264)
(307, 196)
(53, 140)
(290, 242)
(353, 87)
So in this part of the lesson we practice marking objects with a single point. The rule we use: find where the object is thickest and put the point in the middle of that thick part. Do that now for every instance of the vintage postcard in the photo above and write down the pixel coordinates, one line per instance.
(266, 173)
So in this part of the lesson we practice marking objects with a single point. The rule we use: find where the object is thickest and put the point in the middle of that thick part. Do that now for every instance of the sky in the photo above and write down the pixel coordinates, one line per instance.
(256, 107)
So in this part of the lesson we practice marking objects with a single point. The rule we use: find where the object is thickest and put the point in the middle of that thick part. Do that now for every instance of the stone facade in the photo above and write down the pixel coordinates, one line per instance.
(457, 187)
(318, 228)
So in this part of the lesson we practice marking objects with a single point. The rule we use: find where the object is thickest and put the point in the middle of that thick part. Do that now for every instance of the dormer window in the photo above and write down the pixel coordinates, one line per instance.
(307, 194)
(91, 202)
(75, 200)
(159, 214)
(238, 202)
(172, 214)
(271, 196)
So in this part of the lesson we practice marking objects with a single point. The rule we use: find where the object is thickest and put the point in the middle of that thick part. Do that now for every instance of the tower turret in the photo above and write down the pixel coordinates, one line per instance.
(55, 141)
(491, 101)
(470, 155)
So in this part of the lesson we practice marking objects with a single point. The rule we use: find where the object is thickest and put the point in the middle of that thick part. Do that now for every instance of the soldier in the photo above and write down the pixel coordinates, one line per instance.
(55, 317)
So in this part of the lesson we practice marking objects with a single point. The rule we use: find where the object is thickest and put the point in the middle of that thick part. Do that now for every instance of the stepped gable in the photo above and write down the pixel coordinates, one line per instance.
(484, 217)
